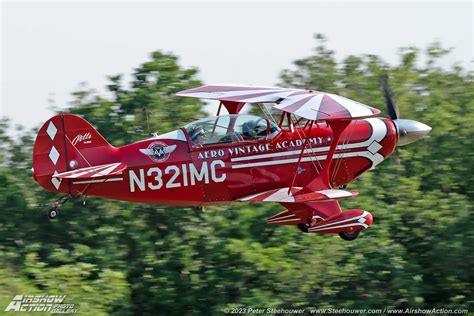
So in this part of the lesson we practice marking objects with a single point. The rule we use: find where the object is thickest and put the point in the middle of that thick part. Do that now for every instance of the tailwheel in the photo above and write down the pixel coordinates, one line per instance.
(53, 213)
(303, 227)
(349, 236)
(53, 210)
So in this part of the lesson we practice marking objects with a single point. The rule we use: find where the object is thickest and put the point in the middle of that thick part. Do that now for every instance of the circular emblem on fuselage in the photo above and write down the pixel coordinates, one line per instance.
(158, 152)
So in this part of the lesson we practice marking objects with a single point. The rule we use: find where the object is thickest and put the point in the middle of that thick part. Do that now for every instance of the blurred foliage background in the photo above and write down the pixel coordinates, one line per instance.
(122, 258)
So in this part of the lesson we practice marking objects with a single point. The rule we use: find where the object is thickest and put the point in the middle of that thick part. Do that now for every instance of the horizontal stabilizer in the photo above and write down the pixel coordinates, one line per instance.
(93, 172)
(282, 196)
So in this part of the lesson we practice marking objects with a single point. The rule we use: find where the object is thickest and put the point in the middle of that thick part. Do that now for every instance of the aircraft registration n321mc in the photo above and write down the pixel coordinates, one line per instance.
(319, 144)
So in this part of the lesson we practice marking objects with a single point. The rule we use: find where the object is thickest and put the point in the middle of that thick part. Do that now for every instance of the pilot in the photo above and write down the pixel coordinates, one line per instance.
(249, 130)
(197, 135)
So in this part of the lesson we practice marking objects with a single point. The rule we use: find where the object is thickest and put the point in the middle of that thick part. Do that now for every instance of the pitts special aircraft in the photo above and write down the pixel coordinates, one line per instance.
(321, 143)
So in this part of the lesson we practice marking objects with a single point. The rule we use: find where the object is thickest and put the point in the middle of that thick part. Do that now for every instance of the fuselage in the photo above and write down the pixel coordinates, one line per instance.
(189, 174)
(322, 141)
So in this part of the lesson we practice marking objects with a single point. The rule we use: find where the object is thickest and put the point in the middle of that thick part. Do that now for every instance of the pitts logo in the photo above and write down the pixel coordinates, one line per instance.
(85, 138)
(158, 151)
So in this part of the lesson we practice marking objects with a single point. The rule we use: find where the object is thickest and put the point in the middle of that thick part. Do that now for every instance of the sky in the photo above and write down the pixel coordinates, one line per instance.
(49, 48)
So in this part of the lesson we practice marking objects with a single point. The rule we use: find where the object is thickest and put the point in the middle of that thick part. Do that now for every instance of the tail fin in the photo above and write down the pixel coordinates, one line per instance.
(67, 142)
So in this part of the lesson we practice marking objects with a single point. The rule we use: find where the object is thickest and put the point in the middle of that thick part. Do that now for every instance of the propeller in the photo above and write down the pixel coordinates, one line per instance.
(391, 107)
(408, 131)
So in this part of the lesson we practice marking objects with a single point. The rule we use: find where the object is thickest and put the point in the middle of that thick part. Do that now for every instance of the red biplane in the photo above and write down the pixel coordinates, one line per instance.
(303, 160)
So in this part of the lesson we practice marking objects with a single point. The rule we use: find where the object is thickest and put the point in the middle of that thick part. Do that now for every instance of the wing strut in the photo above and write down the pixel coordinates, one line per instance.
(233, 107)
(322, 180)
(301, 155)
(219, 109)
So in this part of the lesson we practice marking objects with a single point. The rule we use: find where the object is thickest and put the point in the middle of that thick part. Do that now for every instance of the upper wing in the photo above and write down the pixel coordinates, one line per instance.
(236, 93)
(93, 172)
(309, 104)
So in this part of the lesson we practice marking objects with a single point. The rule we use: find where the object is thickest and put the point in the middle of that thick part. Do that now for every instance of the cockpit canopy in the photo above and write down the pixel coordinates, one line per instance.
(230, 129)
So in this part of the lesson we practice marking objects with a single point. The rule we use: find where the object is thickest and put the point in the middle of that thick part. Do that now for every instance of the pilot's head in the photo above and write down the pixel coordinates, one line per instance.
(197, 135)
(248, 130)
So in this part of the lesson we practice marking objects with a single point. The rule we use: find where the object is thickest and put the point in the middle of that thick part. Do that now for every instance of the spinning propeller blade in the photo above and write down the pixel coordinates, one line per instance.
(409, 131)
(391, 107)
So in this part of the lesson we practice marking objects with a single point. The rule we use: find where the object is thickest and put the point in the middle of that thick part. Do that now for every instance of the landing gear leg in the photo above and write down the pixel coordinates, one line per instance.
(53, 210)
(349, 236)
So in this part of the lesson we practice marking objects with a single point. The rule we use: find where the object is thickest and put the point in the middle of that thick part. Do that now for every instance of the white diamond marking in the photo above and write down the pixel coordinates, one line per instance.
(55, 181)
(54, 155)
(361, 220)
(51, 130)
(374, 147)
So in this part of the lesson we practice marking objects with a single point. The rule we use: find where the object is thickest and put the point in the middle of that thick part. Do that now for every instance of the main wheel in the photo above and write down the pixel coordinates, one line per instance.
(52, 213)
(349, 236)
(303, 227)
